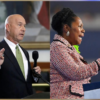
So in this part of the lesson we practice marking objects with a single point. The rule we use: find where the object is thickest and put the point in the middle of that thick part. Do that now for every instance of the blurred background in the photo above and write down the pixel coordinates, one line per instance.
(37, 35)
(36, 14)
(89, 12)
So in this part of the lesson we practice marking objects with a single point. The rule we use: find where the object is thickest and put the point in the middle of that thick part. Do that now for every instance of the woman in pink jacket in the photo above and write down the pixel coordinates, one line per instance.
(68, 70)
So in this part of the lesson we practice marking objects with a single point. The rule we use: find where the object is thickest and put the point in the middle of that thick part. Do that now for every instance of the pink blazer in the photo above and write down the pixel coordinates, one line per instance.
(68, 70)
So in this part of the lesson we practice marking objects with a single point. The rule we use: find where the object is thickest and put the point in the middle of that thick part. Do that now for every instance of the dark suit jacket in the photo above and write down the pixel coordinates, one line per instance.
(12, 82)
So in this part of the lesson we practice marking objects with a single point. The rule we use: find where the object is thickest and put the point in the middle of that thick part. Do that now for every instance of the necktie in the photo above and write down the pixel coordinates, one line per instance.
(20, 60)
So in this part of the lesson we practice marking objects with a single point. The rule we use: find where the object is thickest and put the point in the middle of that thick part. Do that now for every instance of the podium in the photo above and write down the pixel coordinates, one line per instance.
(92, 90)
(43, 95)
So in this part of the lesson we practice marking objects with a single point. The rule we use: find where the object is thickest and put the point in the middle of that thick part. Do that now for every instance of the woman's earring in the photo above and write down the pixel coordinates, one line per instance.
(67, 34)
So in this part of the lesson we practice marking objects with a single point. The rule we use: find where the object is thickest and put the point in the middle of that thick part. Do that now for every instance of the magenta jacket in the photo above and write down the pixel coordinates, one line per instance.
(68, 70)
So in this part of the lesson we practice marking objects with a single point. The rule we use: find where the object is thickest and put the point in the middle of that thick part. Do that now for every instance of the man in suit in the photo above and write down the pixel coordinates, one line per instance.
(15, 82)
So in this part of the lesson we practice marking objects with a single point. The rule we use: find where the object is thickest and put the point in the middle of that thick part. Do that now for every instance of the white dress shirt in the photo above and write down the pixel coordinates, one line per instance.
(13, 49)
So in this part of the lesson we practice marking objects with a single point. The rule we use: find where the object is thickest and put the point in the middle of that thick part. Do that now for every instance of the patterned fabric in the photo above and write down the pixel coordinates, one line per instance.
(67, 71)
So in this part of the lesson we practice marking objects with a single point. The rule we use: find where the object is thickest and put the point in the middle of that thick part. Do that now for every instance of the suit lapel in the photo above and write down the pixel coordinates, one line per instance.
(11, 57)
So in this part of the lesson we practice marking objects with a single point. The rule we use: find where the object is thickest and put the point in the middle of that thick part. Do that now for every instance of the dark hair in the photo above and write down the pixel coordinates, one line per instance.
(65, 16)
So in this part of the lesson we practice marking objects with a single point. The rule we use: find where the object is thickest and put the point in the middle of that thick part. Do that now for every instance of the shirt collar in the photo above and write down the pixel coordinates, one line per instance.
(11, 44)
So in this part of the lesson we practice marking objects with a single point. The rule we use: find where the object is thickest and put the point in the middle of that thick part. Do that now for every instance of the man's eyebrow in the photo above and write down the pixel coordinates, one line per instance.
(20, 22)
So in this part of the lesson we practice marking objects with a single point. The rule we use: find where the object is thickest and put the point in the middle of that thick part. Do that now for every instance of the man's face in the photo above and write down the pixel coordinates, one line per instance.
(16, 29)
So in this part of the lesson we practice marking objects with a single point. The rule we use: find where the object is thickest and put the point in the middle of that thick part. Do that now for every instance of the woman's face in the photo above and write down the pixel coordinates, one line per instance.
(76, 32)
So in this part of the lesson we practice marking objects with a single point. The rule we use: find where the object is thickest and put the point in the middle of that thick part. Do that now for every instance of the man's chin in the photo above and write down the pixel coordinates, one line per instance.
(20, 40)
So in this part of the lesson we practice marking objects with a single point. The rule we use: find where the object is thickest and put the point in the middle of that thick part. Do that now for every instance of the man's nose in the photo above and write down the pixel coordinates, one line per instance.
(23, 28)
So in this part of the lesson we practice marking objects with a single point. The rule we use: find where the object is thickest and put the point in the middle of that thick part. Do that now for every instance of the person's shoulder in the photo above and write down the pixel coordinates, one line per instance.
(57, 44)
(2, 43)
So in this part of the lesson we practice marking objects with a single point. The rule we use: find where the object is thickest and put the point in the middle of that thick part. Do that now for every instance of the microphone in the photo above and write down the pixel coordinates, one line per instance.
(35, 56)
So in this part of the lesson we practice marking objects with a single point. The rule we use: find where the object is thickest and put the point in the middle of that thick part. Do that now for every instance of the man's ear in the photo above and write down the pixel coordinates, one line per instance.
(7, 28)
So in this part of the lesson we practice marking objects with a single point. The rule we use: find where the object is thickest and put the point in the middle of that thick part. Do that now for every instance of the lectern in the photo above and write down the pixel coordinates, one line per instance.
(92, 90)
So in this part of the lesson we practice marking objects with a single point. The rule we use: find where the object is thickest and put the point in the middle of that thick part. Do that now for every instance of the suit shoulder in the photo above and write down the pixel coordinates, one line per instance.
(1, 43)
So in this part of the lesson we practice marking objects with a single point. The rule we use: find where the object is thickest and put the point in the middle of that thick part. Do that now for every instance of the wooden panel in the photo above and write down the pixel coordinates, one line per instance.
(35, 45)
(45, 66)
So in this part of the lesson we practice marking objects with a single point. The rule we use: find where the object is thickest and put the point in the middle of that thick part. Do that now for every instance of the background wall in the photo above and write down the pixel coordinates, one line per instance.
(44, 55)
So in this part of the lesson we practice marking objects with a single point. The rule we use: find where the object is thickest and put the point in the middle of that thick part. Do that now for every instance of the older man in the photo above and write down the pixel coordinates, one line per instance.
(15, 71)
